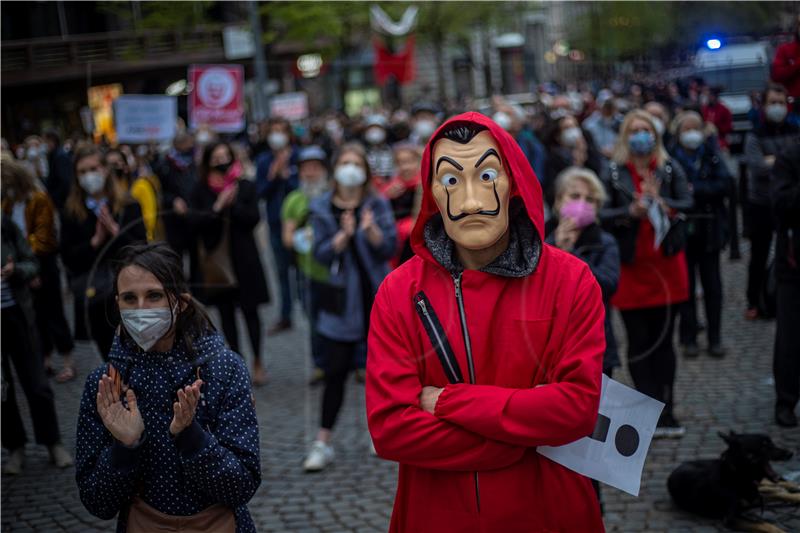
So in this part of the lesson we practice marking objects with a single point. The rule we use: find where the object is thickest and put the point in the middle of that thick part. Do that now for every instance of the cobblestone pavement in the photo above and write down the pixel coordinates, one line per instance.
(356, 493)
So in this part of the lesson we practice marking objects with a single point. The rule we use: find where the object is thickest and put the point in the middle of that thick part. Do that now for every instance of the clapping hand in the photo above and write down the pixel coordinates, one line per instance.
(124, 423)
(226, 198)
(367, 219)
(184, 409)
(8, 269)
(566, 233)
(108, 222)
(348, 222)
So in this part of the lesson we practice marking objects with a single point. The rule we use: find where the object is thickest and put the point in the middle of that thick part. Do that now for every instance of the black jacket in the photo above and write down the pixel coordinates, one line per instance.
(599, 250)
(60, 179)
(89, 268)
(243, 216)
(615, 215)
(786, 205)
(710, 183)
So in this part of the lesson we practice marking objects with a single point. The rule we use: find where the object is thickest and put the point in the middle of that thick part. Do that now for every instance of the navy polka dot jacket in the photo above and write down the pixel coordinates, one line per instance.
(215, 460)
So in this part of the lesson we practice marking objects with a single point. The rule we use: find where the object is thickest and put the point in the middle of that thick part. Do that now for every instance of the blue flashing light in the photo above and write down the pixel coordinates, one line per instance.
(713, 44)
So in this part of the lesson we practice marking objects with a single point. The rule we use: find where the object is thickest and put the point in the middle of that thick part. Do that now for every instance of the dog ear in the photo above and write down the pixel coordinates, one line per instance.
(729, 439)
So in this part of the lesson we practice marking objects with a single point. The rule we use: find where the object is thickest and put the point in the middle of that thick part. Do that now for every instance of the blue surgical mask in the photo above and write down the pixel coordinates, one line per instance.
(642, 143)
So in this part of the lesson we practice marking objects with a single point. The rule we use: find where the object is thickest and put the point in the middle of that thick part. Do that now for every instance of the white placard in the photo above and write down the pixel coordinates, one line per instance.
(616, 452)
(291, 106)
(238, 43)
(145, 118)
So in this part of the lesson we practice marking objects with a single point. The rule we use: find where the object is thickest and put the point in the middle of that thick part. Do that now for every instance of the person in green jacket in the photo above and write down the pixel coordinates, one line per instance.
(298, 238)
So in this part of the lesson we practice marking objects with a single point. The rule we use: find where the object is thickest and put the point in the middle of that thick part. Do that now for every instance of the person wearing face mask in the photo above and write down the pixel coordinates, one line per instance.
(354, 237)
(34, 214)
(145, 189)
(224, 213)
(36, 157)
(298, 237)
(379, 154)
(575, 229)
(403, 193)
(579, 196)
(647, 192)
(603, 125)
(424, 119)
(19, 268)
(718, 114)
(98, 219)
(157, 459)
(276, 176)
(178, 177)
(512, 119)
(60, 163)
(707, 231)
(567, 146)
(761, 146)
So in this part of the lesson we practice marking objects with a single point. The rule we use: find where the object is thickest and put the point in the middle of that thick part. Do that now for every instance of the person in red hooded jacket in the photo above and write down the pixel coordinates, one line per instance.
(484, 345)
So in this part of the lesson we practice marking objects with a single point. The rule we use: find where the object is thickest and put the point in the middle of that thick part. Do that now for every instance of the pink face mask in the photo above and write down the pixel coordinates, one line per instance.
(581, 211)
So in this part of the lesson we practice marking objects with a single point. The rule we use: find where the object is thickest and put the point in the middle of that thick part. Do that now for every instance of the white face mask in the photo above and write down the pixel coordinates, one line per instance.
(147, 326)
(424, 129)
(503, 120)
(92, 182)
(659, 126)
(277, 140)
(203, 137)
(375, 136)
(350, 175)
(692, 139)
(775, 112)
(570, 136)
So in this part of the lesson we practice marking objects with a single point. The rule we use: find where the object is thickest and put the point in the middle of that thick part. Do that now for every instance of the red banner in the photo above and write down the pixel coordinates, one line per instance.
(217, 97)
(400, 64)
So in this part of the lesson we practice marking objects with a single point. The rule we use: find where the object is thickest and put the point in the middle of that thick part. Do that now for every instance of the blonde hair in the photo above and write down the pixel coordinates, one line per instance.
(570, 174)
(622, 152)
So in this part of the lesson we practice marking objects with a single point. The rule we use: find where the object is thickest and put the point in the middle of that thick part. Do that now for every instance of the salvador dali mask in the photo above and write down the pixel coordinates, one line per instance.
(472, 190)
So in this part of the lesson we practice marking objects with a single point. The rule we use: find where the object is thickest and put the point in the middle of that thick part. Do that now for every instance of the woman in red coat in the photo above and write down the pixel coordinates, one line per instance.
(484, 345)
(643, 185)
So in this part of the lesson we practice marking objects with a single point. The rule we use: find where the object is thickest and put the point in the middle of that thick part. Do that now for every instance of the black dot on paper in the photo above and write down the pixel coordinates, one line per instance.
(627, 440)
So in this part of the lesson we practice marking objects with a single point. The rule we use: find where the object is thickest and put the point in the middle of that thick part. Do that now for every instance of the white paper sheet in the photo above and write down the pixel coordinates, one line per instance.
(660, 222)
(616, 454)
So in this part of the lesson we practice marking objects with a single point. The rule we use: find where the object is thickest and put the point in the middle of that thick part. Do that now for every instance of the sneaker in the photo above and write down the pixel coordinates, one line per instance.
(60, 456)
(690, 351)
(669, 428)
(716, 350)
(16, 460)
(785, 417)
(320, 456)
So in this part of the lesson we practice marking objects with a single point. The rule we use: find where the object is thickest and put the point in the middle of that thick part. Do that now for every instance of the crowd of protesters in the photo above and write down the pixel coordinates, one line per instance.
(637, 182)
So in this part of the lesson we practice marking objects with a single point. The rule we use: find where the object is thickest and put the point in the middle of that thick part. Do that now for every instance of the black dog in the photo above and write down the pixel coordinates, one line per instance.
(724, 488)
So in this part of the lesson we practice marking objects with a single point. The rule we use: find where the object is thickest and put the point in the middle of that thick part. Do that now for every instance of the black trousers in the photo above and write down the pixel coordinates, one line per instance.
(762, 228)
(786, 362)
(227, 311)
(651, 357)
(340, 361)
(51, 324)
(707, 265)
(18, 349)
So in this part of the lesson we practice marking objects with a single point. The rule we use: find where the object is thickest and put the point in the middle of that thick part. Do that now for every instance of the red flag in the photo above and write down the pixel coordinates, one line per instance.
(400, 64)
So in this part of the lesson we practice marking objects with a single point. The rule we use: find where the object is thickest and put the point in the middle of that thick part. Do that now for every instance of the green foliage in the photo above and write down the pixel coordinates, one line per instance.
(161, 15)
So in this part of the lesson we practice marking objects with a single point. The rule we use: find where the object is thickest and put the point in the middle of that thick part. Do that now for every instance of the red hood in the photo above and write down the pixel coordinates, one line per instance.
(524, 183)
